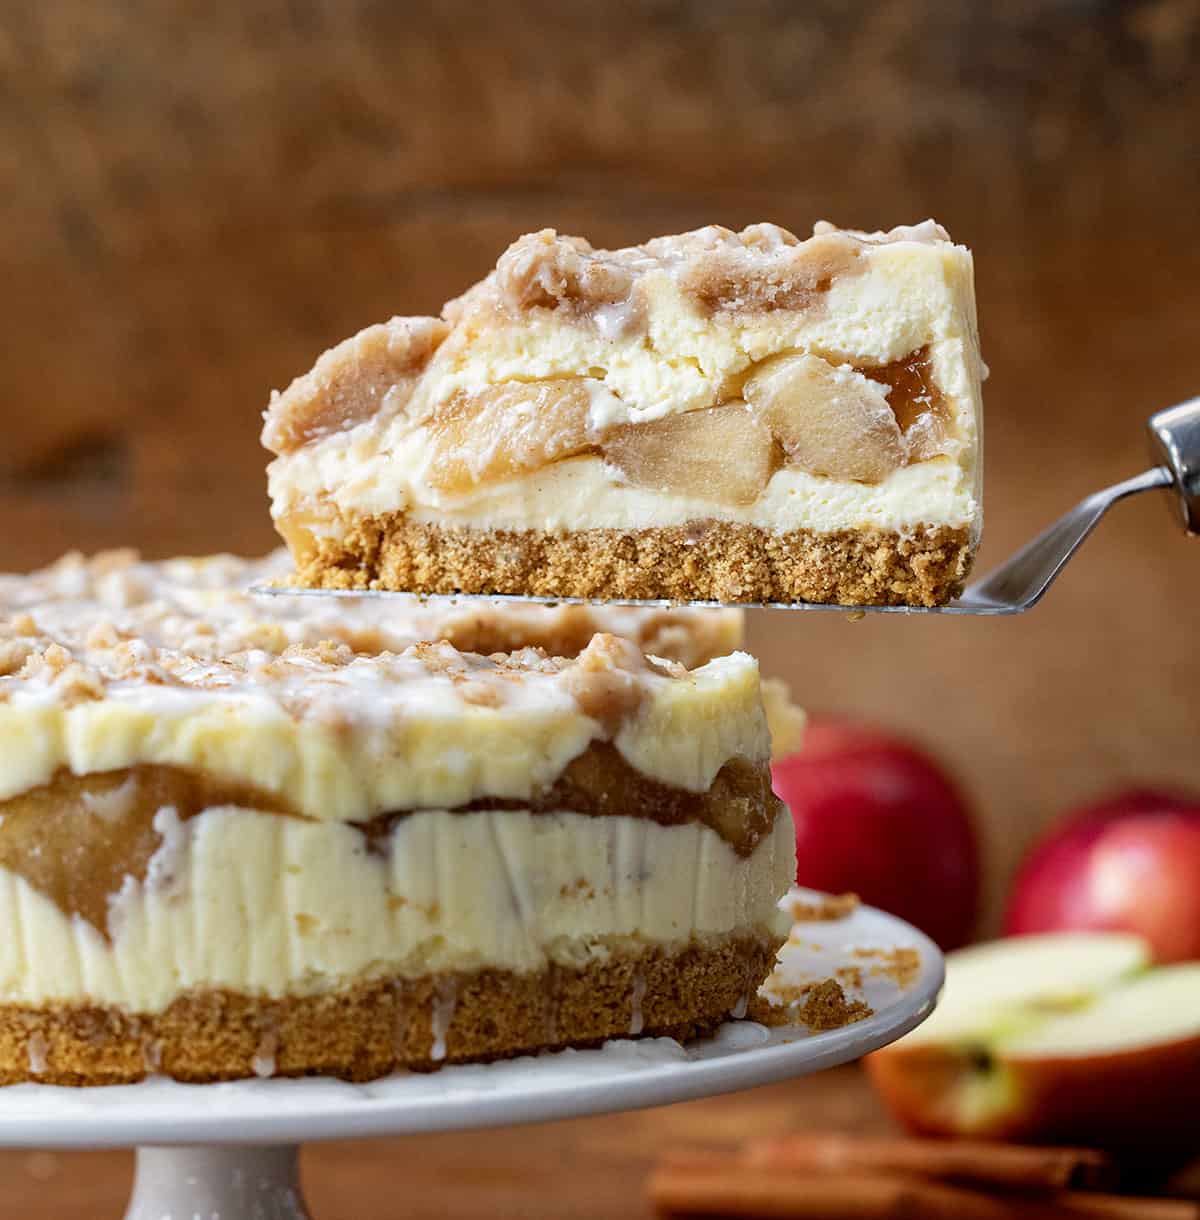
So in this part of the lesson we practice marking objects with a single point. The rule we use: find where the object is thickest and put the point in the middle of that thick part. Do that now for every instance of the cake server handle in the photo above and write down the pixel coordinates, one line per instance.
(1175, 442)
(1019, 583)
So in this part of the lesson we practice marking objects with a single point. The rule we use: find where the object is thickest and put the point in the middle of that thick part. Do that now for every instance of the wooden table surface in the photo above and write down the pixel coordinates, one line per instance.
(586, 1169)
(590, 1168)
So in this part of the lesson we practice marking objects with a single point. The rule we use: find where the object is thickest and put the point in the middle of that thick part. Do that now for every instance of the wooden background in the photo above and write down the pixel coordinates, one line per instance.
(195, 199)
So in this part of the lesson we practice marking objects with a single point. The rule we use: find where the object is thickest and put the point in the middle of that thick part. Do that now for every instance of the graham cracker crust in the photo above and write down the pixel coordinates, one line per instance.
(376, 1027)
(701, 561)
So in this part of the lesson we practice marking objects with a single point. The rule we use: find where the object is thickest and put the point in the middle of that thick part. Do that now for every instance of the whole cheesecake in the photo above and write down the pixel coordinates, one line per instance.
(228, 848)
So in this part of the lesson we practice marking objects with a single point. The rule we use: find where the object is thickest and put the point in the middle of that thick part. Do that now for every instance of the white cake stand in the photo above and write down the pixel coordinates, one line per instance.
(230, 1151)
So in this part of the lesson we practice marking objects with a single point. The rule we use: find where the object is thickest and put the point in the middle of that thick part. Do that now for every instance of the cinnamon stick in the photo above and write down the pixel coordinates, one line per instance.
(1126, 1207)
(972, 1162)
(754, 1194)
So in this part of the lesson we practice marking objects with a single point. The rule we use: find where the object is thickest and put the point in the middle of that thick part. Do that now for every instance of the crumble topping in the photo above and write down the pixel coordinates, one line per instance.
(371, 374)
(113, 665)
(203, 607)
(138, 634)
(762, 267)
(604, 681)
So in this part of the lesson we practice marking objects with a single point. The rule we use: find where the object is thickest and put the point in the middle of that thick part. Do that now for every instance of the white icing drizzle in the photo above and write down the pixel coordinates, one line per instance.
(36, 1049)
(151, 1054)
(738, 1011)
(263, 1062)
(445, 998)
(402, 1019)
(636, 1021)
(550, 1009)
(166, 870)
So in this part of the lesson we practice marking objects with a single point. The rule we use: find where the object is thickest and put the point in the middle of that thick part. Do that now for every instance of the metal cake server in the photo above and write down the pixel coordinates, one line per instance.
(1015, 586)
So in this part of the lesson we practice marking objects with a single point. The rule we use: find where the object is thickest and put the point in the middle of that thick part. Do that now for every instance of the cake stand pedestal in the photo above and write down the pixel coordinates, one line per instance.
(230, 1151)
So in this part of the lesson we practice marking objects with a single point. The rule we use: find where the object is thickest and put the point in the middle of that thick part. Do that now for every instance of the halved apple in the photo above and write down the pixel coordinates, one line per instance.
(1065, 1036)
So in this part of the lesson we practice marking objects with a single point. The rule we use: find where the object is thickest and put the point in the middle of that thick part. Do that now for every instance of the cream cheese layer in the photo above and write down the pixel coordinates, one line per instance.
(274, 906)
(582, 493)
(330, 485)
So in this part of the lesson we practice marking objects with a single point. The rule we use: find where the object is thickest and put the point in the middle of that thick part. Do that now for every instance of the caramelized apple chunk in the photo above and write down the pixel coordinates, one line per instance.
(725, 454)
(830, 420)
(917, 403)
(507, 430)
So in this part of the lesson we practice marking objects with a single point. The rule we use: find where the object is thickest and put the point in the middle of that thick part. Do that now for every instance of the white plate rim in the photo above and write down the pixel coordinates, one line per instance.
(164, 1113)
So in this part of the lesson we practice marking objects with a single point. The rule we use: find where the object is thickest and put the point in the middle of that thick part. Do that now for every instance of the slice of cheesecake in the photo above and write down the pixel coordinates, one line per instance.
(743, 417)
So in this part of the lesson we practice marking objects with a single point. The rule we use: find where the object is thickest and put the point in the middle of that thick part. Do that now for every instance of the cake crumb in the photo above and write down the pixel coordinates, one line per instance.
(36, 1050)
(828, 1007)
(902, 965)
(819, 1004)
(263, 1063)
(827, 908)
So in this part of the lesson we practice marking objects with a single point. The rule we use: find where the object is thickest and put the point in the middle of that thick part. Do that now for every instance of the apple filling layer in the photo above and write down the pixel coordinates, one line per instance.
(830, 419)
(78, 838)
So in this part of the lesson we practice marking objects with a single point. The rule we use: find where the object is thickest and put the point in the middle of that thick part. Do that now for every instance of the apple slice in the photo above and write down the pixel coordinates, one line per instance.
(830, 419)
(506, 430)
(1061, 1037)
(1002, 984)
(723, 454)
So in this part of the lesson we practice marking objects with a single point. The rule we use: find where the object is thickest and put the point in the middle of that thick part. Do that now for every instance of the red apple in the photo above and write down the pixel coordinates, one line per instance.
(1062, 1037)
(876, 815)
(1131, 864)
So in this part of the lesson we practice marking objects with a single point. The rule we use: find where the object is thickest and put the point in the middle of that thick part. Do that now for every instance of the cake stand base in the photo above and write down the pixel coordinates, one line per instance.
(218, 1183)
